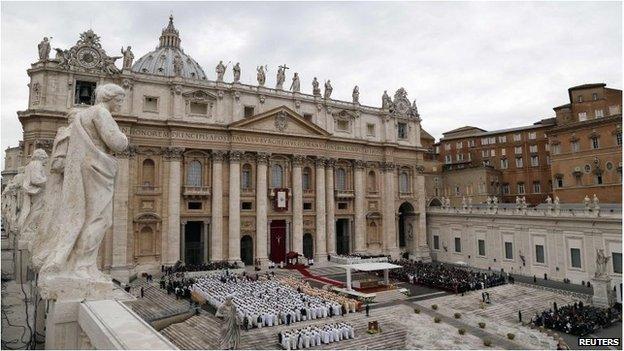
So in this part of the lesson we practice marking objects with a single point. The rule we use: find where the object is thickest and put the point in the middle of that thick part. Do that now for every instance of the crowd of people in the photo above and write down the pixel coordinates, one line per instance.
(348, 304)
(446, 277)
(180, 267)
(265, 301)
(576, 319)
(178, 285)
(313, 336)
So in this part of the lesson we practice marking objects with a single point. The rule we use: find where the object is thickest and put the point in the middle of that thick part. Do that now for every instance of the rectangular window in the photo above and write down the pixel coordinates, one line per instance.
(582, 116)
(457, 244)
(307, 117)
(537, 187)
(484, 141)
(559, 182)
(534, 160)
(533, 148)
(248, 111)
(502, 139)
(575, 146)
(459, 145)
(471, 143)
(370, 129)
(519, 162)
(402, 131)
(517, 137)
(595, 96)
(150, 104)
(520, 188)
(493, 153)
(460, 157)
(539, 254)
(599, 113)
(485, 153)
(246, 205)
(436, 242)
(546, 146)
(448, 159)
(555, 149)
(503, 152)
(618, 138)
(447, 146)
(505, 189)
(198, 108)
(194, 205)
(508, 250)
(481, 244)
(532, 135)
(343, 205)
(614, 110)
(84, 94)
(492, 140)
(616, 258)
(518, 150)
(504, 163)
(307, 206)
(595, 143)
(575, 257)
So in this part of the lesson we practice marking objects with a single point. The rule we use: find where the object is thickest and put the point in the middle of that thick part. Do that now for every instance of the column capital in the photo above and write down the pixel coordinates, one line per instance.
(218, 155)
(320, 162)
(388, 166)
(130, 151)
(359, 164)
(262, 157)
(330, 162)
(420, 169)
(297, 160)
(172, 153)
(235, 156)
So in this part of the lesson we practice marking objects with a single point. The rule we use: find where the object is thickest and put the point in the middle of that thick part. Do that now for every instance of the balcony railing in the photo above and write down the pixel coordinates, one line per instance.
(196, 190)
(344, 194)
(147, 189)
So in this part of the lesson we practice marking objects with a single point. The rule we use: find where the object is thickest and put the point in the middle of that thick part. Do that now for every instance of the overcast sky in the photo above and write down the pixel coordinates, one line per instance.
(493, 65)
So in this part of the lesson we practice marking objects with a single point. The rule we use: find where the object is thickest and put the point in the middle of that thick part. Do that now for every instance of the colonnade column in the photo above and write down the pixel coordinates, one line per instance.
(234, 208)
(421, 250)
(321, 246)
(389, 213)
(360, 217)
(173, 236)
(119, 267)
(261, 207)
(297, 196)
(329, 206)
(182, 244)
(217, 205)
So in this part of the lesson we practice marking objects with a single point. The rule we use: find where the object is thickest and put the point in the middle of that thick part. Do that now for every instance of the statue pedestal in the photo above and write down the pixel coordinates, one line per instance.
(603, 294)
(22, 262)
(74, 288)
(62, 329)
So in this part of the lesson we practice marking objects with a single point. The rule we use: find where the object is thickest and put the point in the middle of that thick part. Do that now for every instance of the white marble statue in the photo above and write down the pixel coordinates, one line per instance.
(54, 186)
(557, 205)
(601, 263)
(33, 185)
(488, 201)
(220, 71)
(495, 201)
(464, 203)
(44, 49)
(518, 203)
(386, 101)
(356, 95)
(86, 201)
(295, 87)
(281, 77)
(328, 89)
(11, 203)
(469, 202)
(261, 75)
(523, 202)
(595, 203)
(128, 57)
(316, 90)
(586, 202)
(237, 72)
(230, 330)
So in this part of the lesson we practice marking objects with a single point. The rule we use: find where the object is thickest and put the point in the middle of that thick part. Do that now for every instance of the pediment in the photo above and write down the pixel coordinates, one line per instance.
(281, 120)
(199, 95)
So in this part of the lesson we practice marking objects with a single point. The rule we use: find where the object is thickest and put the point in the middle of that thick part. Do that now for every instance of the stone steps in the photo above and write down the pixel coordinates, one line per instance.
(156, 304)
(325, 271)
(390, 295)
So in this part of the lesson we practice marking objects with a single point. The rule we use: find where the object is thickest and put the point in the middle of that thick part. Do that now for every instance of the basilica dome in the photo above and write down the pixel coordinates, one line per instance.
(168, 59)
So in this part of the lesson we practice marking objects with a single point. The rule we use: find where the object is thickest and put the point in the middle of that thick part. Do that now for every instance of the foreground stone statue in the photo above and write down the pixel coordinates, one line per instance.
(54, 187)
(230, 331)
(86, 202)
(11, 203)
(33, 185)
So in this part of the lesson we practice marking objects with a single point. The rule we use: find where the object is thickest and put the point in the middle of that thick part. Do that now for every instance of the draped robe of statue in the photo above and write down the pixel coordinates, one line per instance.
(44, 241)
(33, 186)
(85, 206)
(11, 205)
(230, 331)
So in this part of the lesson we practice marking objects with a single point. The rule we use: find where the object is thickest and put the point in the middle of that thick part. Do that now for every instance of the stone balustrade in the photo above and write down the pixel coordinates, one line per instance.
(566, 212)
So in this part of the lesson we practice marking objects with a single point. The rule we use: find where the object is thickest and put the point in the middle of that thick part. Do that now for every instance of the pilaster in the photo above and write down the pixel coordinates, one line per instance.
(234, 209)
(173, 157)
(217, 205)
(360, 216)
(297, 207)
(329, 204)
(321, 242)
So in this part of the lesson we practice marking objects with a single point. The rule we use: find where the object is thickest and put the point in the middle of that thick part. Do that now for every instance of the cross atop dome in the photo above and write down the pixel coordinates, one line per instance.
(170, 36)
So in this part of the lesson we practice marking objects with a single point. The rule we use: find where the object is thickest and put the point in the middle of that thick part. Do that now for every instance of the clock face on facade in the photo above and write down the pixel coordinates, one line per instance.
(402, 106)
(88, 57)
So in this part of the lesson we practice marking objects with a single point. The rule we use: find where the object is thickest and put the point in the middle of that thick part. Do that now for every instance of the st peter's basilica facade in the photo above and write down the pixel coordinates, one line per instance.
(231, 171)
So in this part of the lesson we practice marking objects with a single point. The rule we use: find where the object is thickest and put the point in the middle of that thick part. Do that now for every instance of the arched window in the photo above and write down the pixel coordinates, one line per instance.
(194, 174)
(277, 176)
(146, 241)
(404, 182)
(341, 179)
(371, 182)
(307, 180)
(148, 172)
(246, 177)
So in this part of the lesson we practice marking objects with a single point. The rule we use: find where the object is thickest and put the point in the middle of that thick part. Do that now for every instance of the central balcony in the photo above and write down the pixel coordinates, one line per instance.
(198, 191)
(344, 194)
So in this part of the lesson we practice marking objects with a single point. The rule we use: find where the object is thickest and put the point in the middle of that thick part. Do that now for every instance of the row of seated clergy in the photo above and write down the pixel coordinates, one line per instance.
(307, 313)
(313, 336)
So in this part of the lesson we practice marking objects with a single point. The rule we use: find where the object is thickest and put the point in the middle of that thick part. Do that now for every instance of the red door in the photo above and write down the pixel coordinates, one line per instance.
(278, 241)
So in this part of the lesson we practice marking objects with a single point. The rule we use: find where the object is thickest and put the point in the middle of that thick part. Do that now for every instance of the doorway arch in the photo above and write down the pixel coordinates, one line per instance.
(308, 245)
(246, 250)
(406, 229)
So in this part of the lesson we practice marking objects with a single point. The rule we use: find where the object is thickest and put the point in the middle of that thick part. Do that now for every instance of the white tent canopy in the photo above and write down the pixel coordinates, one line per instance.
(368, 267)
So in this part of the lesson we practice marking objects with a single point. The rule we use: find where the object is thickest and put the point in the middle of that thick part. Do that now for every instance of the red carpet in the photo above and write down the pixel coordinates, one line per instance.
(319, 278)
